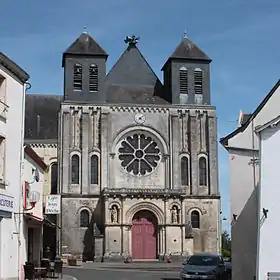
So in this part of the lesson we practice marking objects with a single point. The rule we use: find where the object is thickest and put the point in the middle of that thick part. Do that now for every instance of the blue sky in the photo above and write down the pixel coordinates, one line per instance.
(240, 36)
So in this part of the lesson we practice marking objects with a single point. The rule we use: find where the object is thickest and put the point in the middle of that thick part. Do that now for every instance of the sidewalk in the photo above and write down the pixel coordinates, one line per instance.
(151, 266)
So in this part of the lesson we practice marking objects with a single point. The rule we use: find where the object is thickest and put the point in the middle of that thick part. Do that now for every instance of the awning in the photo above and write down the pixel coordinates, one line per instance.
(33, 219)
(49, 223)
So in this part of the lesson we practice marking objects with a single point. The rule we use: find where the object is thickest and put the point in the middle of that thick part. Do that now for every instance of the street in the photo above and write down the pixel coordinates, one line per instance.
(121, 273)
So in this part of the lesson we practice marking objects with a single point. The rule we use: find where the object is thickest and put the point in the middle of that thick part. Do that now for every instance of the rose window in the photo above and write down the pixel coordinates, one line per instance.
(139, 154)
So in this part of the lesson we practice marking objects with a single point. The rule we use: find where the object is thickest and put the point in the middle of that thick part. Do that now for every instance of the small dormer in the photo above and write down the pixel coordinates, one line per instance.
(84, 65)
(187, 75)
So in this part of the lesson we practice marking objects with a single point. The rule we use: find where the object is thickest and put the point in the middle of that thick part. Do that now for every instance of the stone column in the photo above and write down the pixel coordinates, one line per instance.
(194, 149)
(167, 172)
(203, 132)
(104, 147)
(85, 152)
(175, 150)
(65, 151)
(212, 154)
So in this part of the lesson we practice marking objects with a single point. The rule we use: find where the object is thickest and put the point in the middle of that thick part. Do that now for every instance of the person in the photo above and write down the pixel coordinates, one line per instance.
(48, 253)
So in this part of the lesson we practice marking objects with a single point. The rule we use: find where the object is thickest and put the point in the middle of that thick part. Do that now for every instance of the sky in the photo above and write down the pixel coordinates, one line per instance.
(241, 37)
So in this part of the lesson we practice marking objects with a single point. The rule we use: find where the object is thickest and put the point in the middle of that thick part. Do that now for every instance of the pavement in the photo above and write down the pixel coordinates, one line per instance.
(121, 271)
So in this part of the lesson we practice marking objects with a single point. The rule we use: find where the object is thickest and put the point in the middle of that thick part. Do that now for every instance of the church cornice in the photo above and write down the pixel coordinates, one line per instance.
(41, 143)
(153, 193)
(132, 106)
(139, 109)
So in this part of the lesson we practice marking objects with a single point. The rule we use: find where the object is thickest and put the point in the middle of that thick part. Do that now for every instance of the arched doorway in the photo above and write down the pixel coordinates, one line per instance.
(144, 235)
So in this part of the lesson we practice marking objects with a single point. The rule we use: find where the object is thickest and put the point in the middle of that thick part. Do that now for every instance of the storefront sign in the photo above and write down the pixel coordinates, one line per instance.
(53, 204)
(7, 203)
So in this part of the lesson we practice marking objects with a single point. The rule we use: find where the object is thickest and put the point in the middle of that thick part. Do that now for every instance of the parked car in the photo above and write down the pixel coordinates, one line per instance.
(204, 266)
(228, 267)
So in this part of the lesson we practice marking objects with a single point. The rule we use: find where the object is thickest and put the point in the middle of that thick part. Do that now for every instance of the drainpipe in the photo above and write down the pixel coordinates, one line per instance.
(26, 86)
(259, 207)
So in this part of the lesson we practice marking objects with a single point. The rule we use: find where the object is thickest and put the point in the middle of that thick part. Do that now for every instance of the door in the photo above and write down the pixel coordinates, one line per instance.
(144, 236)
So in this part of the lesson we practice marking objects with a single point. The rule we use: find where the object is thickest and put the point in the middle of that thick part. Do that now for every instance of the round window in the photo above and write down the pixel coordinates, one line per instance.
(139, 154)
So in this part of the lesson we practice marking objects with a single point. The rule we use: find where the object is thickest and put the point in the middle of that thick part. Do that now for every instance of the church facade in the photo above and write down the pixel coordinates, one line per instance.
(137, 158)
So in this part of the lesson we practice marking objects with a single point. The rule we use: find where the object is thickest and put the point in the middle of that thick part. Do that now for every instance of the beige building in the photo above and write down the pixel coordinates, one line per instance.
(137, 158)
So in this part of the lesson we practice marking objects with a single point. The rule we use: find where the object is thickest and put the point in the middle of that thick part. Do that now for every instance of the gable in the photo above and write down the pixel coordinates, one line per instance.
(132, 70)
(267, 110)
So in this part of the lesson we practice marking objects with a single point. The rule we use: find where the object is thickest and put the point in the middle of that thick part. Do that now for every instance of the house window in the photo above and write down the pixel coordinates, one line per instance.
(94, 170)
(93, 77)
(202, 171)
(54, 171)
(75, 169)
(78, 77)
(195, 219)
(2, 159)
(84, 218)
(3, 105)
(198, 81)
(183, 73)
(184, 171)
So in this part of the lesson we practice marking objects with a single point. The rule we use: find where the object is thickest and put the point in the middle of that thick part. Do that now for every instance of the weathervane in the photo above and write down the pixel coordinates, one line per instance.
(131, 40)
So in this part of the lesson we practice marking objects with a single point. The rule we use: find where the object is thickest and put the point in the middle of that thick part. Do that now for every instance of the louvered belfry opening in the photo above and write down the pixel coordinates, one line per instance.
(78, 77)
(183, 81)
(93, 77)
(198, 81)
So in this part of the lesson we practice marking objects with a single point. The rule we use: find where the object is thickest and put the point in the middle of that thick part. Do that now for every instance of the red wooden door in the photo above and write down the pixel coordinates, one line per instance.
(144, 236)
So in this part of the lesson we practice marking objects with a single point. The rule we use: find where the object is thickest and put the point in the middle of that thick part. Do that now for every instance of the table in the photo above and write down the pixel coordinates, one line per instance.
(38, 270)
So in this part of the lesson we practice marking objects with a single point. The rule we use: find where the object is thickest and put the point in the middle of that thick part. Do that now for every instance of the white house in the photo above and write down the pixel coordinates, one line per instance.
(13, 81)
(32, 225)
(269, 193)
(243, 151)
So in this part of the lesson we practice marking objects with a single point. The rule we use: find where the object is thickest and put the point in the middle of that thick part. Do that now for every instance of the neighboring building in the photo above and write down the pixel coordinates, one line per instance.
(269, 209)
(41, 130)
(133, 153)
(32, 226)
(12, 94)
(243, 150)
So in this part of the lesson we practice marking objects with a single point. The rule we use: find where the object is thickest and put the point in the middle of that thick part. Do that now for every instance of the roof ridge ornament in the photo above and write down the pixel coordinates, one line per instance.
(85, 30)
(131, 40)
(185, 34)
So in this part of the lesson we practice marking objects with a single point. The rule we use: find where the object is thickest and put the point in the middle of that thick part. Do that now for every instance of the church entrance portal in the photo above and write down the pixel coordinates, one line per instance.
(144, 235)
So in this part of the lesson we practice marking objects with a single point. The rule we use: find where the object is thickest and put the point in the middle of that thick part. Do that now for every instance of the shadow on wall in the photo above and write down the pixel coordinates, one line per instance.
(244, 240)
(95, 229)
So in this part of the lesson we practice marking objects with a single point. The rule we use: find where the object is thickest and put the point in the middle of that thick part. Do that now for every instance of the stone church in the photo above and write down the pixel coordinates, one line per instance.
(137, 157)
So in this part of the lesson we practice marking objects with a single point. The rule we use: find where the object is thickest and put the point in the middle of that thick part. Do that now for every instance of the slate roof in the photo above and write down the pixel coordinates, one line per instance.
(84, 45)
(188, 50)
(132, 80)
(41, 116)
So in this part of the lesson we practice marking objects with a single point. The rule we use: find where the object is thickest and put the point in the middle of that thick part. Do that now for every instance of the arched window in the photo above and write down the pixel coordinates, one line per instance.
(202, 171)
(75, 169)
(94, 170)
(78, 77)
(198, 81)
(93, 77)
(195, 219)
(184, 171)
(54, 171)
(183, 73)
(84, 218)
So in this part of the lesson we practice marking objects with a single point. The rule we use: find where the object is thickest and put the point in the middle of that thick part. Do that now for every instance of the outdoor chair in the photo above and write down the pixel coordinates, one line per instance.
(45, 263)
(29, 272)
